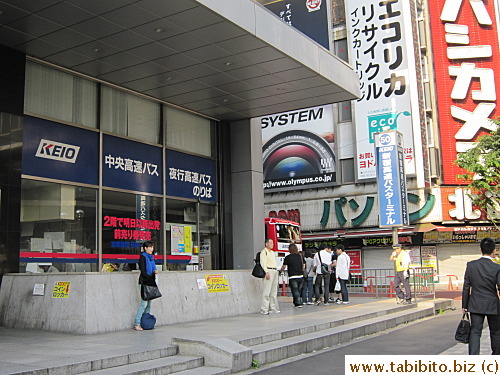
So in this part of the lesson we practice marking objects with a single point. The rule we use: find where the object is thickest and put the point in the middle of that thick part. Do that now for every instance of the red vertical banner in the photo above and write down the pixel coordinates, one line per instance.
(465, 49)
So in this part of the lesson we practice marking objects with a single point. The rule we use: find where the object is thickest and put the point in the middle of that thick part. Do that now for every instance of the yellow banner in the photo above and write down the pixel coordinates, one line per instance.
(217, 283)
(188, 240)
(61, 289)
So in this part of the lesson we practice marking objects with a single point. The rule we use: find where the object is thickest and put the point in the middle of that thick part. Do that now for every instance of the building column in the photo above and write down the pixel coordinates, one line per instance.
(247, 193)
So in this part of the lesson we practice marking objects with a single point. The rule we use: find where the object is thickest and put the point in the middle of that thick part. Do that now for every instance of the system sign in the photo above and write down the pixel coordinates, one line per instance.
(391, 180)
(298, 149)
(382, 52)
(466, 55)
(60, 152)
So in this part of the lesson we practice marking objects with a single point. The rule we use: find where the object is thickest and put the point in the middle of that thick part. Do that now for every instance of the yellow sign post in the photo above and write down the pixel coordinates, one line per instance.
(61, 289)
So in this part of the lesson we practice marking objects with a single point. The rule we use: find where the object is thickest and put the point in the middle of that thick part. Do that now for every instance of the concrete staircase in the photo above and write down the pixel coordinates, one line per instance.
(278, 346)
(153, 362)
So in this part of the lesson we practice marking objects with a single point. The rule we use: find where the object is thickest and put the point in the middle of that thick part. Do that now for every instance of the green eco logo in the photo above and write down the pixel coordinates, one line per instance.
(383, 121)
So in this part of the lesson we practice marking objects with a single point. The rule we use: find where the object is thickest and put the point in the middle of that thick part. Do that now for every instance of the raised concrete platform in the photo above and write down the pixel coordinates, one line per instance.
(107, 302)
(233, 341)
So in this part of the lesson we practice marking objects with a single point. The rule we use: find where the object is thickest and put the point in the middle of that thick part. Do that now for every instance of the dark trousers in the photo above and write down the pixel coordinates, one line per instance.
(296, 287)
(343, 290)
(398, 279)
(307, 290)
(325, 280)
(476, 323)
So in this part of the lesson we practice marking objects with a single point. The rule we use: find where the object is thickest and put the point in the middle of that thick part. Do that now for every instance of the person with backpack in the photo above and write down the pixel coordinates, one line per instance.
(322, 265)
(147, 277)
(269, 264)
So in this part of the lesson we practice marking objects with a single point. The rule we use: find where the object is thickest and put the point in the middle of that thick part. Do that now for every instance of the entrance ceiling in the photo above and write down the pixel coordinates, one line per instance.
(228, 61)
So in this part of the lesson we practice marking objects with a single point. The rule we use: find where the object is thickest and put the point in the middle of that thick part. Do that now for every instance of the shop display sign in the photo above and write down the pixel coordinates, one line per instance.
(181, 242)
(61, 289)
(391, 179)
(308, 16)
(298, 149)
(126, 230)
(191, 177)
(382, 52)
(466, 55)
(131, 165)
(414, 252)
(60, 152)
(384, 241)
(217, 283)
(355, 256)
(464, 236)
(428, 255)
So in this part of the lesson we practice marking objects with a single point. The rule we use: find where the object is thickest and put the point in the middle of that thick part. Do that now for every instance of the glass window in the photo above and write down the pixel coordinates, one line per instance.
(188, 132)
(340, 49)
(347, 166)
(209, 243)
(128, 221)
(345, 113)
(54, 94)
(181, 214)
(57, 219)
(130, 115)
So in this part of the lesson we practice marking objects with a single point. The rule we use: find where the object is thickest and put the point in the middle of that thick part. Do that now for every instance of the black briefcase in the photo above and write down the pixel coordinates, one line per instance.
(463, 330)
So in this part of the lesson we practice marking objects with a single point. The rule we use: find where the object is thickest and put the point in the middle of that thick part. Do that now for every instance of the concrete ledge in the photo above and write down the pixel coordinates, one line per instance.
(220, 352)
(107, 302)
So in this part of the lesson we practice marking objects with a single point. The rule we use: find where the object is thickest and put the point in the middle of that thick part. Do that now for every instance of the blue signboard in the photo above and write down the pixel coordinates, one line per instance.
(391, 179)
(191, 177)
(60, 152)
(131, 165)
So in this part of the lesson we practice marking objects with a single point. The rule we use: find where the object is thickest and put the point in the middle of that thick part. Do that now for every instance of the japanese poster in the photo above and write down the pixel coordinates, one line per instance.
(177, 240)
(298, 148)
(466, 54)
(217, 283)
(382, 52)
(61, 289)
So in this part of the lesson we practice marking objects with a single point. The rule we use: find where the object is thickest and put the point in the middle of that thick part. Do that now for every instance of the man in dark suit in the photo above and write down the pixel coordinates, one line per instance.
(480, 297)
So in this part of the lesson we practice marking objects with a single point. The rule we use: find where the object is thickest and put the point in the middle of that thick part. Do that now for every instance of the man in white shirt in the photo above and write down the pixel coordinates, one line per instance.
(323, 266)
(343, 266)
(270, 293)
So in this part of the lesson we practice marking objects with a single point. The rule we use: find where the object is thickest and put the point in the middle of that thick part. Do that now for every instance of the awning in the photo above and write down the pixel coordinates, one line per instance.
(375, 232)
(226, 59)
(425, 227)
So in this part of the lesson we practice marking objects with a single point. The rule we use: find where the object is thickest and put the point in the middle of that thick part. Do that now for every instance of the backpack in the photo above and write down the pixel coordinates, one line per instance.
(148, 321)
(258, 271)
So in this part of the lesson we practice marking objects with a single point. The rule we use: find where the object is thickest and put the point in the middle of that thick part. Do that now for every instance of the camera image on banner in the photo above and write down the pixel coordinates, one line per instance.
(391, 179)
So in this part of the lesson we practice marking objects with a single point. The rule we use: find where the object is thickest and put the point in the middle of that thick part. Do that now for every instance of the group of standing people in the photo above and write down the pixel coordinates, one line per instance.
(308, 274)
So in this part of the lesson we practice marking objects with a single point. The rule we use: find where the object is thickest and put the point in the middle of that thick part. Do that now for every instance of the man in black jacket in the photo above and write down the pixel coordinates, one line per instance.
(480, 297)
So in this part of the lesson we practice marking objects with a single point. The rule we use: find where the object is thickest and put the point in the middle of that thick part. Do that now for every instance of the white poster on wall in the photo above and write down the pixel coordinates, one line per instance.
(381, 51)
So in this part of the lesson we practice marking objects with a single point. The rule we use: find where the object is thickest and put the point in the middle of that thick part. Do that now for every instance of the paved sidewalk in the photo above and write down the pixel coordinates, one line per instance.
(463, 349)
(24, 350)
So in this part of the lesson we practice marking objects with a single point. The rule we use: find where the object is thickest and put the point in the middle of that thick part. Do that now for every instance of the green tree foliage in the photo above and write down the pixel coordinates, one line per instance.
(482, 165)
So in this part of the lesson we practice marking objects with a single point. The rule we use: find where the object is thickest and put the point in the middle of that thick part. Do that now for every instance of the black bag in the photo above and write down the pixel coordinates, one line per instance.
(149, 292)
(148, 321)
(258, 271)
(463, 329)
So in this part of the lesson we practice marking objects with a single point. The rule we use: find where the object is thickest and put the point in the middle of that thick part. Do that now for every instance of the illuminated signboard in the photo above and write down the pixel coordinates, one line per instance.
(465, 49)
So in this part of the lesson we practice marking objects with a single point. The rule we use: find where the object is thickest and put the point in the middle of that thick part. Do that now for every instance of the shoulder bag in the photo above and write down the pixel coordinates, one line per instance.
(258, 271)
(149, 292)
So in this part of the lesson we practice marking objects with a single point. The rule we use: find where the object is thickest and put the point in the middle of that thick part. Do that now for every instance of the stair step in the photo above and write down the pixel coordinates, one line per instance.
(251, 342)
(160, 366)
(206, 370)
(277, 350)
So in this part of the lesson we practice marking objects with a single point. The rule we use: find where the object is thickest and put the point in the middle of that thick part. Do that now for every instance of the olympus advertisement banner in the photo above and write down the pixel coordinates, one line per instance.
(382, 52)
(298, 148)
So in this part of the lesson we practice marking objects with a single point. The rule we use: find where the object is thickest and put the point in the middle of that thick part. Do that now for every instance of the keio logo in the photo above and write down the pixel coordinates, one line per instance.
(57, 151)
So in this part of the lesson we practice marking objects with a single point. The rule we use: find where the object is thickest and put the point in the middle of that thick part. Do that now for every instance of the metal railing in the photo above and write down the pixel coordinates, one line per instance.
(379, 282)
